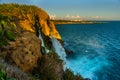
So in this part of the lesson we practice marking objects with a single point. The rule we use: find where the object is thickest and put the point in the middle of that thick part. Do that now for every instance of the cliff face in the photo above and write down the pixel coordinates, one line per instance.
(24, 52)
(20, 26)
(30, 18)
(28, 22)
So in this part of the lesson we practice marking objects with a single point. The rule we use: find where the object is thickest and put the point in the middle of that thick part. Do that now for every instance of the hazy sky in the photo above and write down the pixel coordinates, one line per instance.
(87, 9)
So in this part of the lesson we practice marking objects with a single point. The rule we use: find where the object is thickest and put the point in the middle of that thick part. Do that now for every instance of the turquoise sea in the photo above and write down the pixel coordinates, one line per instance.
(96, 49)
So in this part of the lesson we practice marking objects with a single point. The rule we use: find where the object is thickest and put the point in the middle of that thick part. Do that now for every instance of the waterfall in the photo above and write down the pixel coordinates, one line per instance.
(43, 45)
(40, 37)
(59, 48)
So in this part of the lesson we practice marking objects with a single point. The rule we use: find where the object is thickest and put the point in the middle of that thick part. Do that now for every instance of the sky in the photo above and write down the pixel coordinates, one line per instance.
(76, 9)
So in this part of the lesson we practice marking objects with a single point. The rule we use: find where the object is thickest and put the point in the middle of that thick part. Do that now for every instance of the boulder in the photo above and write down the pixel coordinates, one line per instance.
(24, 52)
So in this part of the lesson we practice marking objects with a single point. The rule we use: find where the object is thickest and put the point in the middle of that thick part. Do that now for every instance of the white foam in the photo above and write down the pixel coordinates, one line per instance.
(43, 45)
(59, 48)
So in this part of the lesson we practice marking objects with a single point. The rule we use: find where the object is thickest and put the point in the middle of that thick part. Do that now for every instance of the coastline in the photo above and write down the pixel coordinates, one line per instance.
(57, 22)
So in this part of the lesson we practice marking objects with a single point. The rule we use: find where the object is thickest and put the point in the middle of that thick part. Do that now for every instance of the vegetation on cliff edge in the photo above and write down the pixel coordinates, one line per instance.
(7, 30)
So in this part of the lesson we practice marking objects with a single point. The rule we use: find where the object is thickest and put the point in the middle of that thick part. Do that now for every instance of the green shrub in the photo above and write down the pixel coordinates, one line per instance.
(54, 56)
(3, 43)
(70, 76)
(3, 76)
(2, 39)
(5, 36)
(7, 30)
(10, 35)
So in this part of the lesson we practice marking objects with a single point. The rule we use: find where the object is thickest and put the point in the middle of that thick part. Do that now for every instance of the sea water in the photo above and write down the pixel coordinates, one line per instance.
(96, 49)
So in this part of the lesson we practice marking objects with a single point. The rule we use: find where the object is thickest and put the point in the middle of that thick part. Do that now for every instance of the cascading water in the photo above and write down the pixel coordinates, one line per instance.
(59, 48)
(43, 45)
(40, 37)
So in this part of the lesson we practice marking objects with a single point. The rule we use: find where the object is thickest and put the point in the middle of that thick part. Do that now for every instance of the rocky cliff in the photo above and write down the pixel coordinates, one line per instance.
(30, 18)
(29, 21)
(20, 29)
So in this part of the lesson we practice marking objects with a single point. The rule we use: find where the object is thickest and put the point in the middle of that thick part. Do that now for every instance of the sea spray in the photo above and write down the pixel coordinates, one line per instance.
(59, 49)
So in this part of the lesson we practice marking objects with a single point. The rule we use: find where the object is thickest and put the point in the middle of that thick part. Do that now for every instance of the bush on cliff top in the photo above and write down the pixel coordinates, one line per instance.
(17, 11)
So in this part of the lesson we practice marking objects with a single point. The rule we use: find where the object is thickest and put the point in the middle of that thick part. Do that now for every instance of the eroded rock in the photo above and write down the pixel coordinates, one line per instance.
(24, 52)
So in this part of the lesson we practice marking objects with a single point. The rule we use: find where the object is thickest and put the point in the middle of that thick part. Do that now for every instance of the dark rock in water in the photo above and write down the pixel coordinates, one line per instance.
(68, 52)
(87, 79)
(61, 41)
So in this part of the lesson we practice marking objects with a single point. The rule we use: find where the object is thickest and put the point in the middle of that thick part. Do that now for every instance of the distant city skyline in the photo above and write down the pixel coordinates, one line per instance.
(76, 9)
